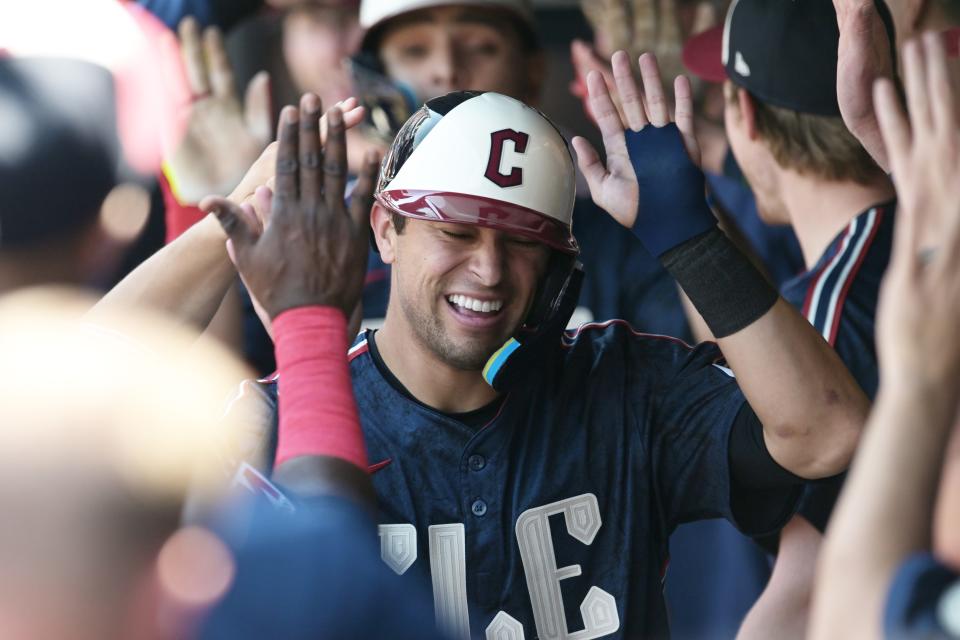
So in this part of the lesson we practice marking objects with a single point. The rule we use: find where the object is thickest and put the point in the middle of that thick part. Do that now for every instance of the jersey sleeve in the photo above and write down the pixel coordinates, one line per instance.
(251, 414)
(694, 412)
(923, 601)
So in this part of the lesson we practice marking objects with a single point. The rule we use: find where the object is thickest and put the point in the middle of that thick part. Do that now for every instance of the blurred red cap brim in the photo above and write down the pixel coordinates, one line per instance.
(703, 55)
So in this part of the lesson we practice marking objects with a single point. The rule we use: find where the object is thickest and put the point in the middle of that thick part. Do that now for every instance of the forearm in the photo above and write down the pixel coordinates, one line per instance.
(320, 446)
(884, 512)
(187, 279)
(811, 408)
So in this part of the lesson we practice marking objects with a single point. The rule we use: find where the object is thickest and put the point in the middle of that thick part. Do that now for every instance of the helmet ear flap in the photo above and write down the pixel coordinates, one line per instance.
(553, 306)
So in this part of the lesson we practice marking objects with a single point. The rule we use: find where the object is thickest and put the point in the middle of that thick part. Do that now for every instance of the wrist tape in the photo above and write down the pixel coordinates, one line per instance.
(728, 291)
(318, 414)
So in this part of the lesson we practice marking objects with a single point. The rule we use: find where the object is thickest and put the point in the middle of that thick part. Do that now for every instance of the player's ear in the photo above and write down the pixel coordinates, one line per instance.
(384, 233)
(748, 112)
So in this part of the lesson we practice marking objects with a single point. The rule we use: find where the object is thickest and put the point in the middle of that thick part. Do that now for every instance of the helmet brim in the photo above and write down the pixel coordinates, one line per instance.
(461, 208)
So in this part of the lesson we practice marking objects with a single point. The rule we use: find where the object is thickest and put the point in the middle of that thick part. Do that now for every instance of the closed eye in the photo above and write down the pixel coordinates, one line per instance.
(521, 241)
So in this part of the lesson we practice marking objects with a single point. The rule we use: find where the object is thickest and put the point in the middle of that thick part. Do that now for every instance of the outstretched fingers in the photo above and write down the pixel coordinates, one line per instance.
(589, 162)
(606, 115)
(239, 222)
(658, 107)
(335, 160)
(918, 102)
(894, 127)
(285, 190)
(311, 154)
(939, 87)
(257, 107)
(192, 53)
(630, 99)
(221, 73)
(683, 95)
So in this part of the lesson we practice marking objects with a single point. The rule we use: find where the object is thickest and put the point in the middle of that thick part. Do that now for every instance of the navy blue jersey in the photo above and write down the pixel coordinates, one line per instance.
(923, 601)
(838, 296)
(621, 279)
(554, 516)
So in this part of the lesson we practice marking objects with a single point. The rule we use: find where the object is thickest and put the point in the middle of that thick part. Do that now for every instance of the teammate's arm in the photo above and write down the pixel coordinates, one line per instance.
(886, 508)
(307, 269)
(811, 408)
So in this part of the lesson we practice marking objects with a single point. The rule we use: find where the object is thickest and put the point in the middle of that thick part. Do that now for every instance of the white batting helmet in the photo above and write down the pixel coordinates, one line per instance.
(483, 158)
(376, 12)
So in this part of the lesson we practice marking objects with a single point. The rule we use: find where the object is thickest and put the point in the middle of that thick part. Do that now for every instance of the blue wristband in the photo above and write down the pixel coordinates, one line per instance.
(672, 207)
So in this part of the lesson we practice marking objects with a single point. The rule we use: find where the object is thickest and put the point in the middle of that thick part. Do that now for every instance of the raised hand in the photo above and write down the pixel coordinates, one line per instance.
(262, 172)
(314, 251)
(863, 56)
(585, 59)
(614, 187)
(917, 336)
(222, 138)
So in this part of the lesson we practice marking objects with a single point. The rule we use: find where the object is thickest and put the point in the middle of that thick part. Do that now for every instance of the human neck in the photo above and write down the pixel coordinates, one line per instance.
(18, 273)
(429, 379)
(819, 209)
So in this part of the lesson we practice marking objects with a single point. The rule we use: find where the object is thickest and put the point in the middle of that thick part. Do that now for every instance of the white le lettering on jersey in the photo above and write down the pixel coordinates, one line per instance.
(398, 544)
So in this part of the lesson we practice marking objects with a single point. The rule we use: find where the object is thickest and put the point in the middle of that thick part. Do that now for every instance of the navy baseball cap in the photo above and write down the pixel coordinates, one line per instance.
(784, 52)
(59, 147)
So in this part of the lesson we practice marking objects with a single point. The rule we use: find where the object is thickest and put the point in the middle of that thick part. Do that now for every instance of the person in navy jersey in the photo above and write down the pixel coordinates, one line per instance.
(531, 477)
(809, 172)
(621, 279)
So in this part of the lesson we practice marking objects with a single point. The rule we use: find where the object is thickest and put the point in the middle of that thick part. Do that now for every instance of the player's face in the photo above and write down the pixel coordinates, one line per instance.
(465, 289)
(439, 50)
(755, 160)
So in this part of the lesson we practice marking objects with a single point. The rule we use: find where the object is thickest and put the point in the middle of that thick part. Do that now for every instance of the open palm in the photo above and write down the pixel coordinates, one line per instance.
(223, 137)
(613, 186)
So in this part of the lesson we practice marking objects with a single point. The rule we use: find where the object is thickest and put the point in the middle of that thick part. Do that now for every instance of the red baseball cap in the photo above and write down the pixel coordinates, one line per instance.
(703, 55)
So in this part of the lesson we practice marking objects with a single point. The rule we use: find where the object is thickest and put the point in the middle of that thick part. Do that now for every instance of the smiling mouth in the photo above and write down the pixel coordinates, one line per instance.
(466, 304)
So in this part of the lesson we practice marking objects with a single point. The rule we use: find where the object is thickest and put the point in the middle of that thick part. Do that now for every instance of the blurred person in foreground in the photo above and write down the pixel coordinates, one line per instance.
(97, 461)
(891, 558)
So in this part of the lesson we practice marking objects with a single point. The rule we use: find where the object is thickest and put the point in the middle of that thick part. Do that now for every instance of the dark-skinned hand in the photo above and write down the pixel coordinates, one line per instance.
(314, 251)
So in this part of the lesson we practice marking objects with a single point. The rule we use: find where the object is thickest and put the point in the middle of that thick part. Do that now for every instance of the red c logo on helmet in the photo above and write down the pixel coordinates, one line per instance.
(497, 138)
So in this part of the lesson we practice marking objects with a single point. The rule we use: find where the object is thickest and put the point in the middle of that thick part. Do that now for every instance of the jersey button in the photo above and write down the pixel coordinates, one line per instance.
(479, 508)
(477, 462)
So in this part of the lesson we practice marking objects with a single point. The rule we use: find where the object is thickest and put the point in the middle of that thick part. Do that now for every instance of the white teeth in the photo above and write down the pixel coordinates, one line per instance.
(482, 306)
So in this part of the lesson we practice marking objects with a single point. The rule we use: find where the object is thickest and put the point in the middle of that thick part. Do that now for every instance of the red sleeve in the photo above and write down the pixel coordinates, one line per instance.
(318, 414)
(179, 217)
